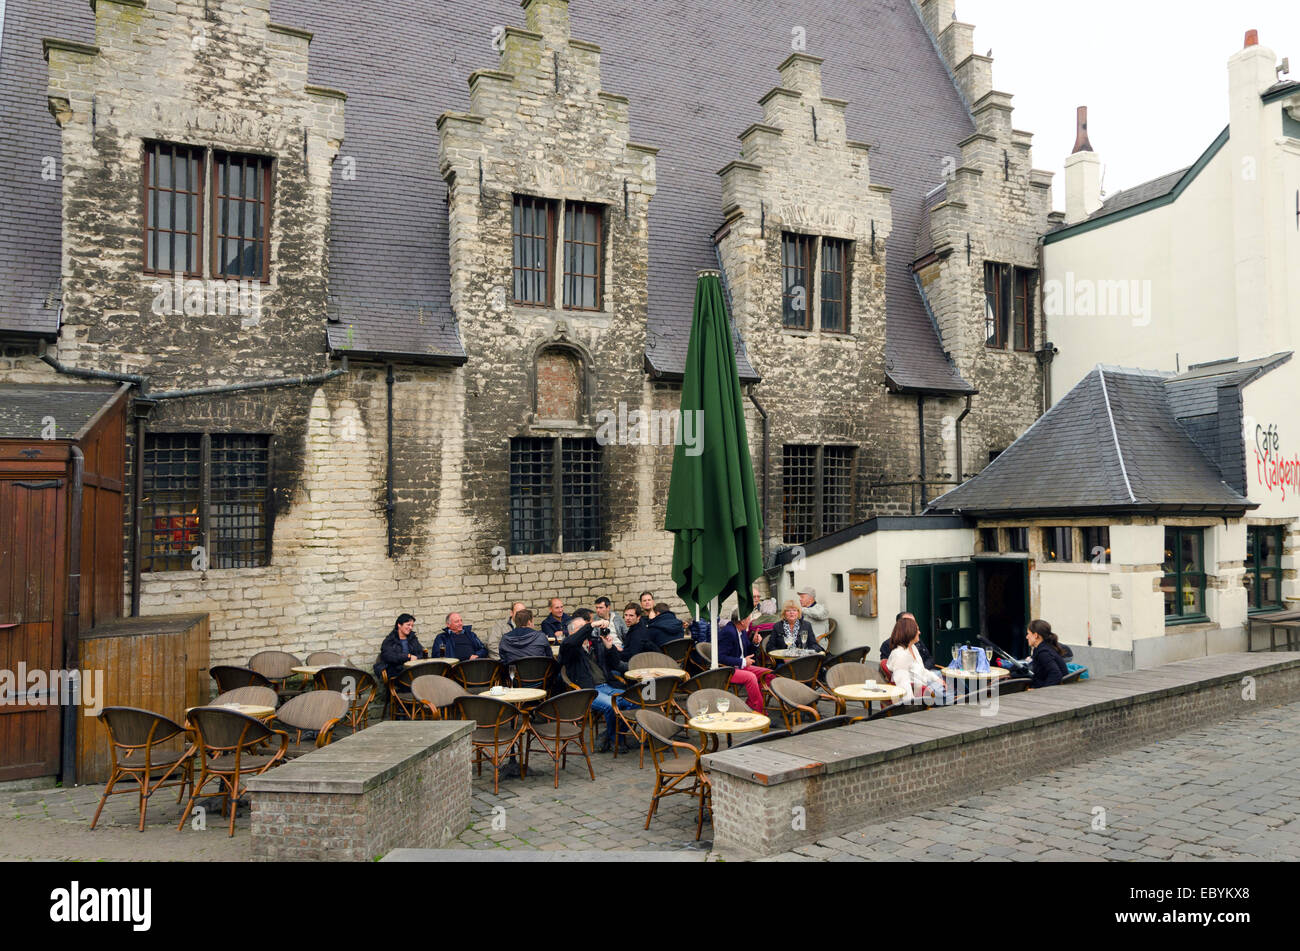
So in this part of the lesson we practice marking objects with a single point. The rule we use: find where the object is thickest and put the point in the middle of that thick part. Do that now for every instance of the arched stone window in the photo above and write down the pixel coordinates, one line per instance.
(559, 396)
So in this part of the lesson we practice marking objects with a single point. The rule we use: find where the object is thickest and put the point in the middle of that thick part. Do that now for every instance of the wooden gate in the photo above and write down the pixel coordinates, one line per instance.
(32, 513)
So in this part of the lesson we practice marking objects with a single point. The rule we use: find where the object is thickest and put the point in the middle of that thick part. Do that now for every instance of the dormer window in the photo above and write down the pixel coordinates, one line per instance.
(803, 305)
(538, 226)
(180, 221)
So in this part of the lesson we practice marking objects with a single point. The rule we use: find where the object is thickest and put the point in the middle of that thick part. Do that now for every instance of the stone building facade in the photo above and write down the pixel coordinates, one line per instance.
(436, 444)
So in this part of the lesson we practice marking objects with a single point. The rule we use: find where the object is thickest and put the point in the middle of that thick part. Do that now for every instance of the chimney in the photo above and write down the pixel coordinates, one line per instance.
(1082, 174)
(1251, 156)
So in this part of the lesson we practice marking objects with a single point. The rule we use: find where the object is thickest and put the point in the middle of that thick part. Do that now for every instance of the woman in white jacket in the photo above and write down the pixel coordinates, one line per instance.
(906, 667)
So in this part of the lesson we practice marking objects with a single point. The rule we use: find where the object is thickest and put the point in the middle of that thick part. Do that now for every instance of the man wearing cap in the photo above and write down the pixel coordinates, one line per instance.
(816, 614)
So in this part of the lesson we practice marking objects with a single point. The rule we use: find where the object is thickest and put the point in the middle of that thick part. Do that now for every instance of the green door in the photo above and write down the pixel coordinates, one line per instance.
(943, 599)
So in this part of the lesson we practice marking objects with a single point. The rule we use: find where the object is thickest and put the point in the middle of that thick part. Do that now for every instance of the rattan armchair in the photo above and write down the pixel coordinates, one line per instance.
(796, 700)
(537, 672)
(679, 649)
(400, 699)
(229, 678)
(709, 679)
(277, 667)
(674, 773)
(653, 694)
(227, 744)
(437, 694)
(557, 724)
(135, 741)
(830, 723)
(316, 711)
(767, 737)
(478, 675)
(327, 659)
(496, 736)
(1015, 685)
(253, 696)
(701, 658)
(842, 674)
(648, 659)
(803, 669)
(357, 685)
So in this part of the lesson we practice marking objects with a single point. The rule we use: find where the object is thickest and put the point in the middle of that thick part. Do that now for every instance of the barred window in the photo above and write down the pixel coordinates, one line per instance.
(241, 467)
(173, 209)
(555, 496)
(1058, 544)
(796, 280)
(817, 483)
(170, 501)
(222, 506)
(837, 488)
(835, 285)
(1096, 544)
(533, 231)
(583, 255)
(240, 245)
(1026, 284)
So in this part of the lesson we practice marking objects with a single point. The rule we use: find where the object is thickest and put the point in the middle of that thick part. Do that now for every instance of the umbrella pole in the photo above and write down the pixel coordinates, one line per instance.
(713, 628)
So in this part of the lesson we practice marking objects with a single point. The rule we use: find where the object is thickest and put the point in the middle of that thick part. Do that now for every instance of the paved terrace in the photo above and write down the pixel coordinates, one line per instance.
(1226, 791)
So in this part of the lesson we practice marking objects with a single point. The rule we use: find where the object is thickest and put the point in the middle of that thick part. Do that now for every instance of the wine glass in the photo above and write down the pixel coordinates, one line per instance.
(703, 713)
(724, 704)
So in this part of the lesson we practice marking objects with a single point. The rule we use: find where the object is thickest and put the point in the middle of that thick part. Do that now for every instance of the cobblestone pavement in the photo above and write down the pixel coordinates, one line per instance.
(1231, 791)
(1227, 792)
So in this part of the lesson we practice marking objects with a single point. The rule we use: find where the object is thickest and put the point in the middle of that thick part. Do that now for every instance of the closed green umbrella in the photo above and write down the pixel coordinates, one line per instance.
(712, 505)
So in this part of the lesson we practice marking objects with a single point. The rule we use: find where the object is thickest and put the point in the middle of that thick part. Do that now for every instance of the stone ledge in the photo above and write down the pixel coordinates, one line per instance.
(67, 46)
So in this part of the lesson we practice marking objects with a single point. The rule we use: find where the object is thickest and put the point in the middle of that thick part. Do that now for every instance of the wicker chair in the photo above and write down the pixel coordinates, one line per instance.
(478, 675)
(327, 659)
(137, 733)
(830, 723)
(557, 724)
(1073, 677)
(701, 658)
(400, 698)
(228, 678)
(796, 700)
(674, 774)
(539, 673)
(1016, 685)
(437, 694)
(767, 737)
(709, 679)
(254, 696)
(316, 711)
(825, 639)
(497, 734)
(803, 669)
(277, 667)
(652, 659)
(896, 710)
(707, 698)
(653, 694)
(227, 745)
(357, 685)
(678, 650)
(846, 672)
(854, 655)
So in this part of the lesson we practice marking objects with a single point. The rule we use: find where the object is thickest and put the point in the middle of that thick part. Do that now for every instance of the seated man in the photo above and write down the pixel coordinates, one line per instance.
(818, 615)
(557, 622)
(499, 629)
(401, 645)
(664, 626)
(590, 660)
(523, 640)
(458, 640)
(638, 639)
(735, 645)
(604, 611)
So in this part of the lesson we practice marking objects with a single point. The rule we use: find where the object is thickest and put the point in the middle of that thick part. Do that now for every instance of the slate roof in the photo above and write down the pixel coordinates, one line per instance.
(693, 69)
(1156, 188)
(24, 408)
(1112, 444)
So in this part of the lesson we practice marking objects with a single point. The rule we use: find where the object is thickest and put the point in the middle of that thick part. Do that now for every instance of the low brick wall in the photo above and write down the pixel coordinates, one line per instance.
(774, 796)
(394, 785)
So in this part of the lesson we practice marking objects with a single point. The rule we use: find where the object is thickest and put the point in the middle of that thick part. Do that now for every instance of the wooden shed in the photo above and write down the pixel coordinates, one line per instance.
(62, 459)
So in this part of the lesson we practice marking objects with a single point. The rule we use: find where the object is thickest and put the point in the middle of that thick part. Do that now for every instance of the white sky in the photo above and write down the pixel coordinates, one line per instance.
(1153, 74)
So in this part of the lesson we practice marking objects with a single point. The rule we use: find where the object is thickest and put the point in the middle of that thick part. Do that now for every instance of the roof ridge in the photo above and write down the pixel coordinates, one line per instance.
(1110, 416)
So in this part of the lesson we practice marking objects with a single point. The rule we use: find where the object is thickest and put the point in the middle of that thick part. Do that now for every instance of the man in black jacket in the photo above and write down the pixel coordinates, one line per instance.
(665, 626)
(926, 657)
(591, 660)
(555, 624)
(523, 640)
(638, 639)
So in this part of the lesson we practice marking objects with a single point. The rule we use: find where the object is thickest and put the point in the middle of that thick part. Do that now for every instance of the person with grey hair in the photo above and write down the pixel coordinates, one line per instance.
(818, 615)
(590, 660)
(500, 629)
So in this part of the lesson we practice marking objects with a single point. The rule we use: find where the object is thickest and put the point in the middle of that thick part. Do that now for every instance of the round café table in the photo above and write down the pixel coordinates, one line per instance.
(256, 710)
(993, 673)
(649, 673)
(733, 721)
(515, 694)
(426, 660)
(876, 692)
(791, 653)
(308, 671)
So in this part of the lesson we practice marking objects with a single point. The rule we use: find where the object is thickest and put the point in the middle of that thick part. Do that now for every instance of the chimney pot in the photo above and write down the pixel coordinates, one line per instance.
(1252, 38)
(1081, 143)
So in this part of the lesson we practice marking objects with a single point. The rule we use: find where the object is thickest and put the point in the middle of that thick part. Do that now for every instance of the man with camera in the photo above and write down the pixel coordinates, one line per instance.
(591, 661)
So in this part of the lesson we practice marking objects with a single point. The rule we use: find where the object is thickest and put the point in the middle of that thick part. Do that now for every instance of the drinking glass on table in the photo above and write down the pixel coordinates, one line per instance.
(724, 704)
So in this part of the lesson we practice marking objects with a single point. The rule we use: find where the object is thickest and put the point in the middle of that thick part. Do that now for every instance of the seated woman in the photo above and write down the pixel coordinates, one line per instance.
(1048, 658)
(400, 646)
(793, 631)
(735, 645)
(907, 667)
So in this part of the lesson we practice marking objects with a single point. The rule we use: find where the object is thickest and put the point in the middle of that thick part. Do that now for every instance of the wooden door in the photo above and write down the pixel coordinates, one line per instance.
(31, 599)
